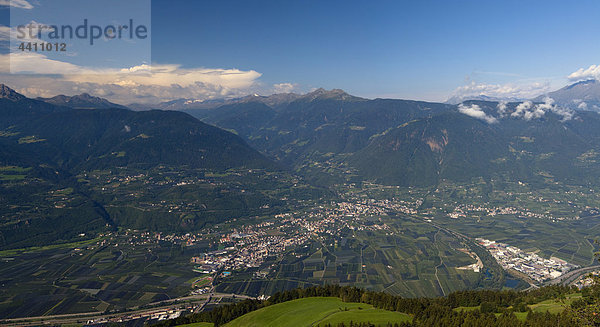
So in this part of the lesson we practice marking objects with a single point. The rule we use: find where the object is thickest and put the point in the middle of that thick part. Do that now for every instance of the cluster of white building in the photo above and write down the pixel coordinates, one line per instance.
(528, 263)
(248, 246)
(158, 314)
(463, 210)
(586, 280)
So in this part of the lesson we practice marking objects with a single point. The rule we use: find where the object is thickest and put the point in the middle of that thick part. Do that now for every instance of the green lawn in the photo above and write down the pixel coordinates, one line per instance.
(375, 316)
(521, 315)
(317, 311)
(555, 306)
(552, 306)
(198, 324)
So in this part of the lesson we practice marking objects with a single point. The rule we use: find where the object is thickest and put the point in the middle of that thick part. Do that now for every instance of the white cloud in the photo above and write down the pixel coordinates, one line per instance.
(160, 75)
(475, 111)
(501, 91)
(528, 111)
(501, 108)
(592, 72)
(522, 108)
(284, 87)
(143, 83)
(37, 63)
(22, 4)
(10, 33)
(4, 33)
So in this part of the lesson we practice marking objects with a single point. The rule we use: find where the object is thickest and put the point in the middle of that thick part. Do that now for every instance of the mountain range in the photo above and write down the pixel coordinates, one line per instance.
(580, 96)
(192, 104)
(482, 97)
(46, 148)
(402, 142)
(74, 137)
(583, 95)
(390, 141)
(324, 137)
(81, 101)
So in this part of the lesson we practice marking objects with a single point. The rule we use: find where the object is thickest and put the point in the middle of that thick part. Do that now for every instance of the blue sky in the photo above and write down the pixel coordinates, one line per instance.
(427, 50)
(413, 49)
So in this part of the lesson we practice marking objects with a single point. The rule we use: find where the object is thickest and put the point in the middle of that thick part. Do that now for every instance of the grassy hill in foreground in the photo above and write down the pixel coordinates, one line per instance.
(334, 305)
(317, 311)
(323, 311)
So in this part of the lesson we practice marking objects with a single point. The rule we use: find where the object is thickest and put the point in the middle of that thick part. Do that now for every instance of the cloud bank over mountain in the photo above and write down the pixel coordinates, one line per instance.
(592, 72)
(141, 83)
(516, 91)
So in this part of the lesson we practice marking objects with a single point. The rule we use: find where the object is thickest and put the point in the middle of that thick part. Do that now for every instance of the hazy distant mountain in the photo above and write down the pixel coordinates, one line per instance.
(82, 101)
(274, 100)
(180, 104)
(584, 95)
(481, 97)
(335, 94)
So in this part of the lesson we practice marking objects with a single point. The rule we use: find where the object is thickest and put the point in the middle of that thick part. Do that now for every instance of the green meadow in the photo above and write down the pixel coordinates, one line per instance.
(317, 311)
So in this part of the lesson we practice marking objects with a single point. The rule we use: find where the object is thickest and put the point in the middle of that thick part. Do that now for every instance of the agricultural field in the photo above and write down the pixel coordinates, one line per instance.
(409, 258)
(39, 206)
(575, 243)
(100, 275)
(179, 199)
(524, 215)
(317, 312)
(410, 247)
(8, 173)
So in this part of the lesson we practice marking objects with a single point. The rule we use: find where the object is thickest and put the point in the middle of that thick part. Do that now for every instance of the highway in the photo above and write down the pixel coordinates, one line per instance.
(81, 318)
(571, 276)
